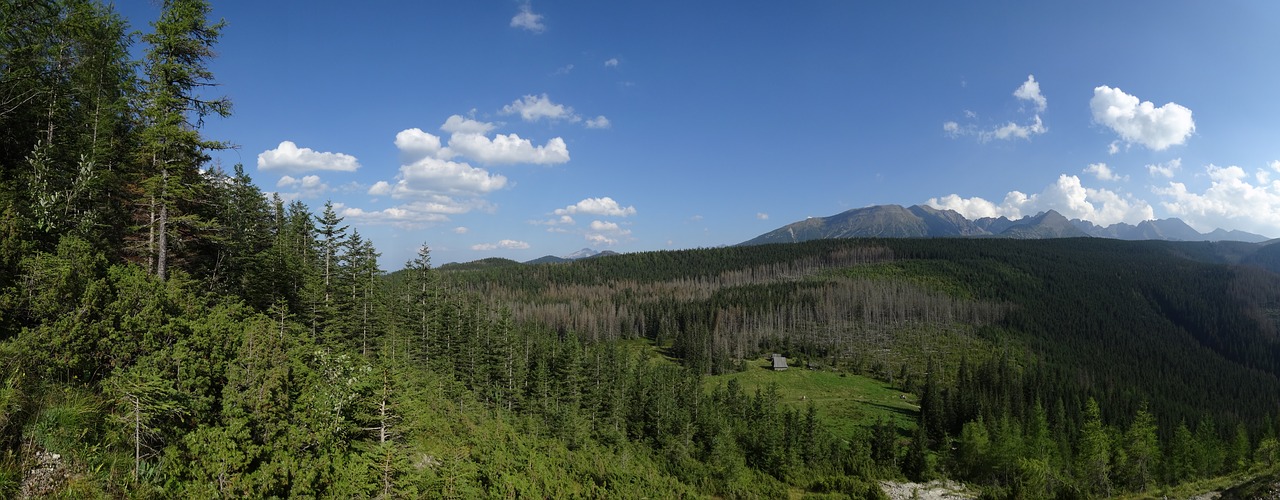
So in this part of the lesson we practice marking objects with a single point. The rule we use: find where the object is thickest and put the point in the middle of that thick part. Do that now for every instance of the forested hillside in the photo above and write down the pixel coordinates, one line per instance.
(993, 331)
(167, 330)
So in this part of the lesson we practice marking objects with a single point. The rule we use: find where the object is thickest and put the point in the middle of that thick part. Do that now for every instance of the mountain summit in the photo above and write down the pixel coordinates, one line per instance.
(920, 221)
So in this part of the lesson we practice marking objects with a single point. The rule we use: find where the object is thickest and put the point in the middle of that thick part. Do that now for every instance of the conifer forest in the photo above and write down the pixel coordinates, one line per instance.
(167, 330)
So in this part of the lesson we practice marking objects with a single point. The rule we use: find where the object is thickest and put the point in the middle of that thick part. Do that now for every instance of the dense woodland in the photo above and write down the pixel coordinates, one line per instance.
(167, 330)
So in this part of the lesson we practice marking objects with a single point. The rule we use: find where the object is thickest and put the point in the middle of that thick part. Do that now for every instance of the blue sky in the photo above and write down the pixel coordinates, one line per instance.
(523, 129)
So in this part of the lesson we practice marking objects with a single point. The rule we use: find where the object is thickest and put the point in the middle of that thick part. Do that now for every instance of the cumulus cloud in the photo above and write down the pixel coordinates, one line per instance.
(533, 108)
(414, 145)
(1103, 172)
(600, 239)
(1030, 91)
(380, 188)
(1232, 200)
(309, 186)
(1166, 169)
(611, 62)
(409, 216)
(527, 20)
(608, 227)
(1014, 131)
(563, 220)
(460, 230)
(457, 124)
(1067, 196)
(503, 244)
(467, 138)
(509, 149)
(762, 216)
(434, 176)
(597, 206)
(598, 122)
(1141, 122)
(288, 157)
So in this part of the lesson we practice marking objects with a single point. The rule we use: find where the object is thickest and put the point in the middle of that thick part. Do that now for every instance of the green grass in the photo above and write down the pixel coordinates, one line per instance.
(843, 401)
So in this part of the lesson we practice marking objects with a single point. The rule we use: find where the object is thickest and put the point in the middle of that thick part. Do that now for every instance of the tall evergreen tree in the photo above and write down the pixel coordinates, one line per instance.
(332, 237)
(1142, 451)
(173, 111)
(1093, 459)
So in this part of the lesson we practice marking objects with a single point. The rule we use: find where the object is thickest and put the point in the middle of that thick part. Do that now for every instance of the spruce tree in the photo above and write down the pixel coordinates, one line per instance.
(173, 111)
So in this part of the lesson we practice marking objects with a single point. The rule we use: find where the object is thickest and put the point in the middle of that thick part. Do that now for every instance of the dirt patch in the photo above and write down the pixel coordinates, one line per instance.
(933, 490)
(48, 473)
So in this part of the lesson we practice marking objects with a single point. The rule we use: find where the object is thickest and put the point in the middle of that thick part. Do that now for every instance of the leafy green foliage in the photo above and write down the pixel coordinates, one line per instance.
(168, 331)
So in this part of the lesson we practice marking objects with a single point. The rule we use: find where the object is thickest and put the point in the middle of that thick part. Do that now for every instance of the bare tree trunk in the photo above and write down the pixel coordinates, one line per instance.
(137, 436)
(162, 229)
(151, 236)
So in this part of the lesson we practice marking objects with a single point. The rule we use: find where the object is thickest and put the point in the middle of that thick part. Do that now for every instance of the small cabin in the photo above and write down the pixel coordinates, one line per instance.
(779, 363)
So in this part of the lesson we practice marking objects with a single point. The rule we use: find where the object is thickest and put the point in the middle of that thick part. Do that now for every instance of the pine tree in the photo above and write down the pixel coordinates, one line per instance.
(173, 112)
(1093, 458)
(1142, 451)
(332, 236)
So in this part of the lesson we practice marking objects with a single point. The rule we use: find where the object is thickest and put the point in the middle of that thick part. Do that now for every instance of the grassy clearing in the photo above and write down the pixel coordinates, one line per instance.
(843, 401)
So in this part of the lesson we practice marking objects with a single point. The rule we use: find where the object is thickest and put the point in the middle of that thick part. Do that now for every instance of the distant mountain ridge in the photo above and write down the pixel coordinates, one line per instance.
(585, 253)
(920, 221)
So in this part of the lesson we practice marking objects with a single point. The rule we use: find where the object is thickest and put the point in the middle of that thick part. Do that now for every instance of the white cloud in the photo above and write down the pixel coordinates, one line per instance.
(611, 62)
(309, 186)
(563, 220)
(503, 244)
(1067, 196)
(1014, 131)
(460, 230)
(1230, 201)
(467, 138)
(1141, 122)
(1030, 91)
(508, 149)
(608, 227)
(762, 216)
(1103, 172)
(533, 108)
(409, 216)
(527, 20)
(1166, 169)
(598, 122)
(1113, 148)
(600, 239)
(434, 176)
(288, 157)
(564, 70)
(380, 188)
(597, 206)
(457, 124)
(414, 145)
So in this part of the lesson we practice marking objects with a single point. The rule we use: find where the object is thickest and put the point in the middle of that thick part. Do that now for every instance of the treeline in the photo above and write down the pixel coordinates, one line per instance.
(998, 426)
(1186, 348)
(1120, 321)
(166, 330)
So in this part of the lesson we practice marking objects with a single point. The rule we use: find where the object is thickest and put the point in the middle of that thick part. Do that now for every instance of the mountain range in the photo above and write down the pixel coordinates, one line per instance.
(920, 221)
(585, 253)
